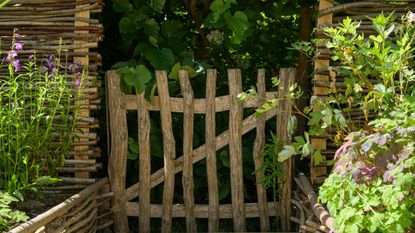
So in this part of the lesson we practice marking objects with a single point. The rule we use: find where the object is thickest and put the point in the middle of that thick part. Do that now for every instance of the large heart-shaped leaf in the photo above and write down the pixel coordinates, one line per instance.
(137, 77)
(160, 59)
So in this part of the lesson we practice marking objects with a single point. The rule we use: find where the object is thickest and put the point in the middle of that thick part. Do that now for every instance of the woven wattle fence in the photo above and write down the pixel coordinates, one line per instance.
(46, 26)
(331, 14)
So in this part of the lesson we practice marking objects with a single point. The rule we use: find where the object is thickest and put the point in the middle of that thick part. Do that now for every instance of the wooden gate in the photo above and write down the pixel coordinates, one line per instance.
(238, 210)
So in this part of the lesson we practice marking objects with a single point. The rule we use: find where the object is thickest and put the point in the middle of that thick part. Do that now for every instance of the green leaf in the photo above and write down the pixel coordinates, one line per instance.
(151, 27)
(218, 7)
(138, 77)
(238, 24)
(291, 126)
(160, 59)
(157, 5)
(127, 25)
(122, 6)
(286, 153)
(172, 29)
(317, 157)
(174, 74)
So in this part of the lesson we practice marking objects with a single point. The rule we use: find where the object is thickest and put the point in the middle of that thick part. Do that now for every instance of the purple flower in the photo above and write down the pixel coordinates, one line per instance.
(77, 82)
(12, 54)
(16, 65)
(18, 46)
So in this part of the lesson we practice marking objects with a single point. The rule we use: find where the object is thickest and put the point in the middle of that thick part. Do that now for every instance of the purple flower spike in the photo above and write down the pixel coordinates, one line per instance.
(18, 46)
(16, 65)
(12, 54)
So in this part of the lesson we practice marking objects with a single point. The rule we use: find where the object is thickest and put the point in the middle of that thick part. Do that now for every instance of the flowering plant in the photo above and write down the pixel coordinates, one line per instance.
(40, 101)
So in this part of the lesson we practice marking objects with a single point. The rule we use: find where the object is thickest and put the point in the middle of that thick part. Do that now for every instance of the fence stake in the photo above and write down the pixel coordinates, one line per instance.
(117, 163)
(235, 150)
(144, 164)
(188, 125)
(169, 150)
(258, 156)
(287, 77)
(212, 176)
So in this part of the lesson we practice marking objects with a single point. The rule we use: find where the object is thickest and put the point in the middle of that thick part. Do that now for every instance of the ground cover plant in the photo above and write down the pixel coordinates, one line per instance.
(38, 113)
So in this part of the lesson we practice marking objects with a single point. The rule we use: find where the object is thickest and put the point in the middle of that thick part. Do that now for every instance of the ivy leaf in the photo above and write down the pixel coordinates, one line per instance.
(157, 5)
(286, 153)
(160, 59)
(174, 74)
(238, 24)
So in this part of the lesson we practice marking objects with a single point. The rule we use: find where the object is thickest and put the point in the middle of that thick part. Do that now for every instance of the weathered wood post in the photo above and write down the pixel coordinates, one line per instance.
(169, 150)
(144, 125)
(287, 77)
(235, 150)
(188, 128)
(117, 163)
(258, 151)
(210, 133)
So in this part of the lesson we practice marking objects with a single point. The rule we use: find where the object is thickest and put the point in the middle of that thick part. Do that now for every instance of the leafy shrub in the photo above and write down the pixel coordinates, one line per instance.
(371, 188)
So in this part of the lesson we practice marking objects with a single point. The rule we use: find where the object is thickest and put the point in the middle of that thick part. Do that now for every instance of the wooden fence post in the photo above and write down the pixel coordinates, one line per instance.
(287, 77)
(258, 156)
(210, 135)
(188, 127)
(117, 163)
(169, 150)
(235, 150)
(144, 125)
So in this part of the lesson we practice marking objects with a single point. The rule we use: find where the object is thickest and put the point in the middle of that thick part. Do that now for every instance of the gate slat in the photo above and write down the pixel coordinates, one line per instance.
(188, 125)
(258, 156)
(117, 164)
(287, 78)
(210, 135)
(235, 149)
(144, 164)
(169, 150)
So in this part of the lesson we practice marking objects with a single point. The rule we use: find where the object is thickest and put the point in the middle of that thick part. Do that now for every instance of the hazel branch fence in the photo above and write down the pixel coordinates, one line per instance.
(124, 204)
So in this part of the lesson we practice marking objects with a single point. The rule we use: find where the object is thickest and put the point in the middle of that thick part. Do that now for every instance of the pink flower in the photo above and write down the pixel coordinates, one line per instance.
(12, 54)
(18, 46)
(16, 65)
(77, 82)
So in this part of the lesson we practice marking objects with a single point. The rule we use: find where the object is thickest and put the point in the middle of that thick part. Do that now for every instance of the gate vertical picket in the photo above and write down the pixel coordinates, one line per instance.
(117, 165)
(188, 126)
(210, 135)
(144, 164)
(169, 150)
(287, 78)
(235, 150)
(258, 155)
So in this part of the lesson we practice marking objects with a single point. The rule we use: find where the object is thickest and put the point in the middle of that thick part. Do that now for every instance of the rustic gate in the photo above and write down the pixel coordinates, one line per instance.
(238, 210)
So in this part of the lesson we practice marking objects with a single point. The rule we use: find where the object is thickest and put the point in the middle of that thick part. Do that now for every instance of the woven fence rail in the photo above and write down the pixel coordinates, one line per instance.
(124, 202)
(65, 28)
(332, 14)
(86, 211)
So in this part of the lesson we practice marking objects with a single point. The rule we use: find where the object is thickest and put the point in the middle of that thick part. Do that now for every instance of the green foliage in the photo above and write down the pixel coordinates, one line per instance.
(8, 216)
(172, 35)
(371, 188)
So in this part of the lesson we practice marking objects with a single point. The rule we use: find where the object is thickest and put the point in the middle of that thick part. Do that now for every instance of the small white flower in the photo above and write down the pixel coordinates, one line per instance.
(411, 17)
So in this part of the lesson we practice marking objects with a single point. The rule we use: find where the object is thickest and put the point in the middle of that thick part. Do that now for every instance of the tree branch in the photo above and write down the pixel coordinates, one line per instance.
(192, 9)
(347, 6)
